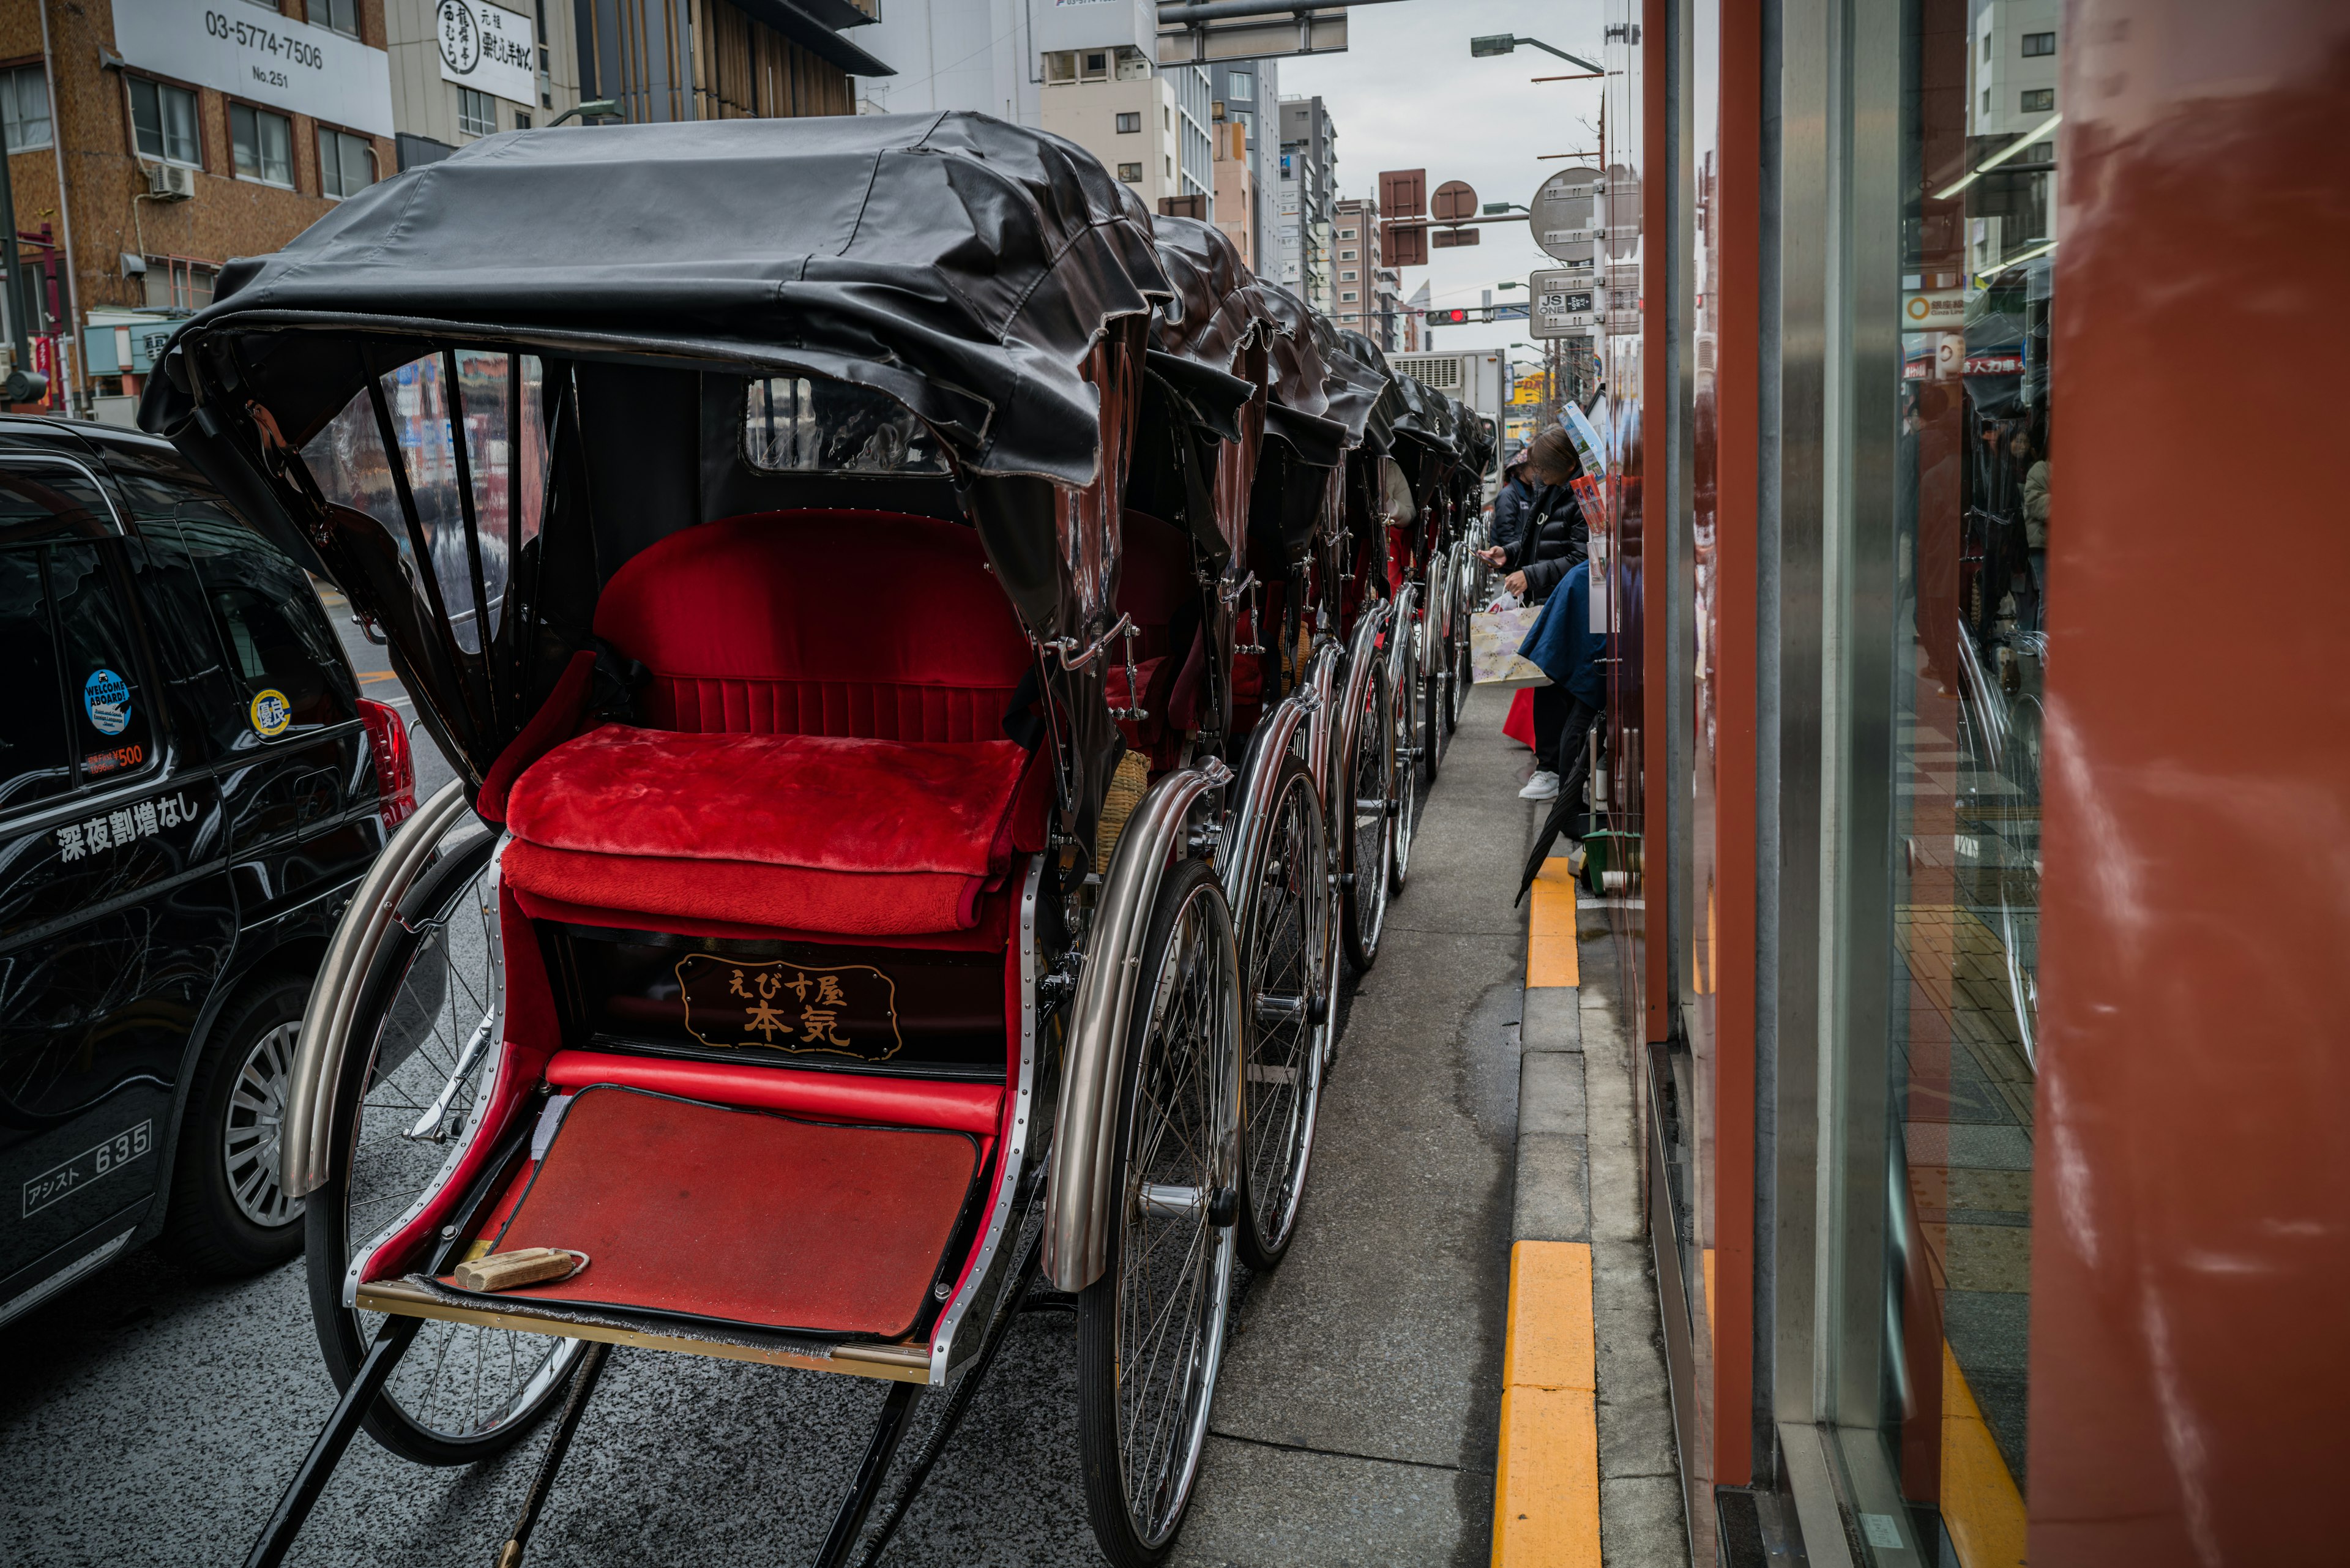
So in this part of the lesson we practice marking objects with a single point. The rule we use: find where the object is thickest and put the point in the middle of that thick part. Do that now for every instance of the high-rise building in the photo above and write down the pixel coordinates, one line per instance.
(1236, 191)
(2013, 93)
(1308, 187)
(1249, 92)
(1088, 72)
(716, 59)
(1357, 264)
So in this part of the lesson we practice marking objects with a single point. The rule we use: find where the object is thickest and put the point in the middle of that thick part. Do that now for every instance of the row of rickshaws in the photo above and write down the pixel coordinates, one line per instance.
(939, 664)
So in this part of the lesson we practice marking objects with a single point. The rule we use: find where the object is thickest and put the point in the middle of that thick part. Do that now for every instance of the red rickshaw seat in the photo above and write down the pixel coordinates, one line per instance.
(860, 837)
(825, 746)
(866, 624)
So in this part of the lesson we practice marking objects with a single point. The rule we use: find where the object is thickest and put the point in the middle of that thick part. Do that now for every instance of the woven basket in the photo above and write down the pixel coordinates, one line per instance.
(1124, 793)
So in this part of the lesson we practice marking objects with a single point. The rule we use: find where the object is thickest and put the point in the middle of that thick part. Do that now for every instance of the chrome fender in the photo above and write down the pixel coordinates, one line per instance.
(1321, 683)
(1360, 653)
(1078, 1194)
(1406, 633)
(1277, 734)
(327, 1018)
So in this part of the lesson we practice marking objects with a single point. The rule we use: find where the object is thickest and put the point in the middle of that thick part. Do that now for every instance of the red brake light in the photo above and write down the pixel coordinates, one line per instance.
(395, 765)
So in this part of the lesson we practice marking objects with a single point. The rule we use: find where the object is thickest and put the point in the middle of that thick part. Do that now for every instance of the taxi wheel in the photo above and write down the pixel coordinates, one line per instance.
(230, 1214)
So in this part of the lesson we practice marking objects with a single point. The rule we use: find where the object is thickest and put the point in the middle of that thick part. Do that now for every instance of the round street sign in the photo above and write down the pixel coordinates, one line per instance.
(1566, 214)
(1454, 199)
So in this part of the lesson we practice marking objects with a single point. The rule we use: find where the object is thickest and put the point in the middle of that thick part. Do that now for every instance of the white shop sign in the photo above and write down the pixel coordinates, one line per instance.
(260, 57)
(488, 48)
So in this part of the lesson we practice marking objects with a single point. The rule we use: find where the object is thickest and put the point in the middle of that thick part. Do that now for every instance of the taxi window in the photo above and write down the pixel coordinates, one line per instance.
(109, 713)
(35, 758)
(279, 647)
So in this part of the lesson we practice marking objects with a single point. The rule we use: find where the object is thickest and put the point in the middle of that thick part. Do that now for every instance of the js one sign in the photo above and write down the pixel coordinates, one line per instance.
(488, 49)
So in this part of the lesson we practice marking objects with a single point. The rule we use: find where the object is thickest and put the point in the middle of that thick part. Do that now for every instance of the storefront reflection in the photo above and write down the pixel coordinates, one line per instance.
(1975, 514)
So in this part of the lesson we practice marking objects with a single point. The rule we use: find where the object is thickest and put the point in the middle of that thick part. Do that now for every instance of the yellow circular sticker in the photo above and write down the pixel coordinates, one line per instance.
(271, 712)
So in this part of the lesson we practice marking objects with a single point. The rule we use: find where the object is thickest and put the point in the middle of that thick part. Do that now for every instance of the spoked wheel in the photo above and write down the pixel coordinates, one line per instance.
(1404, 699)
(1285, 956)
(424, 1046)
(1150, 1331)
(1367, 815)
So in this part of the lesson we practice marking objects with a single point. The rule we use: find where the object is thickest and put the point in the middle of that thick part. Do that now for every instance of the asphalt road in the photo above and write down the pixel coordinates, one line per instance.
(150, 1417)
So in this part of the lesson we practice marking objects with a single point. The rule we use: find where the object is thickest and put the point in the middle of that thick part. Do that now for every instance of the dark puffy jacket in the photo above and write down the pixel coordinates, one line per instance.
(1554, 541)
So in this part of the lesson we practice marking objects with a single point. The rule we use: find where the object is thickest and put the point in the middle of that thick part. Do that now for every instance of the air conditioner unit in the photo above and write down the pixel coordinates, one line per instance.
(169, 182)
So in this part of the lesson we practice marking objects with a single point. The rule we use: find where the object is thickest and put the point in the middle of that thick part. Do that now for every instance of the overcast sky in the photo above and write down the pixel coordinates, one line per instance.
(1407, 94)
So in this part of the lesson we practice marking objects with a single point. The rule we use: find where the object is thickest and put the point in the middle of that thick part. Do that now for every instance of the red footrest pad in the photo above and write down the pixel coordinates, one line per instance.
(744, 1217)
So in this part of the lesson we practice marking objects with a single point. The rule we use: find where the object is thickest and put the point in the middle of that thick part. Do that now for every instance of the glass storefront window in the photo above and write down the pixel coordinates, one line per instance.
(1972, 461)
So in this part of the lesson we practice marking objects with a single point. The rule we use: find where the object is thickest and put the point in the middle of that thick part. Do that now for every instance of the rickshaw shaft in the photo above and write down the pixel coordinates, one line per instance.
(575, 1408)
(318, 1465)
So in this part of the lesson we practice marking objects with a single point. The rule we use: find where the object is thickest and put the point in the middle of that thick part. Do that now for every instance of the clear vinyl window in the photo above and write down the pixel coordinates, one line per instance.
(498, 401)
(803, 425)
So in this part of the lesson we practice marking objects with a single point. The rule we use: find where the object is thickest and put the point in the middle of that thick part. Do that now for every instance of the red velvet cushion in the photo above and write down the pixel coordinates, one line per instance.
(743, 1216)
(819, 623)
(863, 837)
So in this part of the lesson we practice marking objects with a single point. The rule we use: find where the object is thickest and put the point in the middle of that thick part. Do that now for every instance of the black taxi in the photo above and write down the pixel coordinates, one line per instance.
(191, 786)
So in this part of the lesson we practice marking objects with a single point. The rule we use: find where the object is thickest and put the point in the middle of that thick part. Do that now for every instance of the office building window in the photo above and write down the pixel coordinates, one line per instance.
(522, 120)
(163, 122)
(1986, 100)
(1346, 256)
(1349, 294)
(2039, 100)
(340, 15)
(1129, 124)
(1345, 234)
(25, 107)
(264, 144)
(1131, 172)
(2038, 43)
(1348, 275)
(346, 163)
(1241, 89)
(174, 283)
(1095, 66)
(477, 112)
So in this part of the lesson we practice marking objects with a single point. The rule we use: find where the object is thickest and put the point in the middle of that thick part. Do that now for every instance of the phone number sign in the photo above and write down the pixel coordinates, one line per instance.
(260, 57)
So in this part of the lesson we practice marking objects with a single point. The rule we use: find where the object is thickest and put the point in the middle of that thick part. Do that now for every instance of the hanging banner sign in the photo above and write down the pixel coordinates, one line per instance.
(260, 57)
(487, 48)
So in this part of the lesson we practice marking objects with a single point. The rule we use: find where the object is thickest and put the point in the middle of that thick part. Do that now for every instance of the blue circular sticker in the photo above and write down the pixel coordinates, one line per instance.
(271, 712)
(107, 696)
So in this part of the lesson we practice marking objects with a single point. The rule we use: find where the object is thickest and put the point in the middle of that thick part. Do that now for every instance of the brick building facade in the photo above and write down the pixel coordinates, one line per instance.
(84, 247)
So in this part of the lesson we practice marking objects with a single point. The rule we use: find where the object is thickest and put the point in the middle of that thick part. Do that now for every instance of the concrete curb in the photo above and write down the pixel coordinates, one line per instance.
(1587, 1472)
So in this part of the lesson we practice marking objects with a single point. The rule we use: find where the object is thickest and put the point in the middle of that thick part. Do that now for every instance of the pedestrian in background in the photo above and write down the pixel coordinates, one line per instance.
(1517, 492)
(1562, 646)
(1554, 542)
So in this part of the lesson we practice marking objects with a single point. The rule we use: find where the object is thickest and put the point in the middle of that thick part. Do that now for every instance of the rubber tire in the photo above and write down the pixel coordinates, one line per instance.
(329, 1250)
(207, 1232)
(1361, 949)
(1433, 654)
(1261, 1256)
(1097, 1364)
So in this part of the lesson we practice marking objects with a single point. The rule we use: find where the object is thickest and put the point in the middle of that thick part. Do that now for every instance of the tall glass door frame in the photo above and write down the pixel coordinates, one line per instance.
(1832, 369)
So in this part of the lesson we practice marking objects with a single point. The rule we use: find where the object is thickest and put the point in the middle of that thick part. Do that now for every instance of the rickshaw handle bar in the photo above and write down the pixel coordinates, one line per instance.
(327, 1018)
(1061, 644)
(1078, 1194)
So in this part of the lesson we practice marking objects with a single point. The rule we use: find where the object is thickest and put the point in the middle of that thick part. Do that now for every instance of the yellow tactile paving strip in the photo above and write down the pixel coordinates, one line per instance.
(1546, 1491)
(1982, 1508)
(1550, 928)
(1547, 1480)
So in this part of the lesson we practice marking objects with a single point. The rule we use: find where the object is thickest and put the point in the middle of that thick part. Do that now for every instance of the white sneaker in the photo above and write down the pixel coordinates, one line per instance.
(1542, 786)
